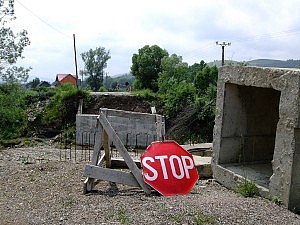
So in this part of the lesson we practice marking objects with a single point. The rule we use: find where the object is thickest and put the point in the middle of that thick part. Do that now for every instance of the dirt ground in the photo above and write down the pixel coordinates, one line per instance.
(49, 191)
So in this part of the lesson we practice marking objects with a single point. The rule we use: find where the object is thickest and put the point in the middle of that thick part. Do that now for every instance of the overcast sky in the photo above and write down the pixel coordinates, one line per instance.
(256, 29)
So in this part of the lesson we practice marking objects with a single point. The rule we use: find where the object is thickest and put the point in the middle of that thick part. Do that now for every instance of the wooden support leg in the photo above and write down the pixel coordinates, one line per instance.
(89, 183)
(106, 149)
(123, 151)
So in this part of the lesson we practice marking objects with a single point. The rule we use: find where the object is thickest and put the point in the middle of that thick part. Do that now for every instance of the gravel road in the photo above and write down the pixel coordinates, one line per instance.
(35, 191)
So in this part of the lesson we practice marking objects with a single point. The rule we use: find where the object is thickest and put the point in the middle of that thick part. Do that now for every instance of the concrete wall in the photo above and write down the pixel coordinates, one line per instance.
(134, 129)
(249, 124)
(257, 113)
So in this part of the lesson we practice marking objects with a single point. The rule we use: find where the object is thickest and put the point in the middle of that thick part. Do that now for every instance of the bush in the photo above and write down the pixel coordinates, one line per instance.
(145, 94)
(62, 108)
(177, 98)
(13, 118)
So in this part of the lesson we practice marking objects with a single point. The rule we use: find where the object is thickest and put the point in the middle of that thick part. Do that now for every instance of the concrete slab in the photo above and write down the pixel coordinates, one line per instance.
(259, 173)
(202, 149)
(203, 165)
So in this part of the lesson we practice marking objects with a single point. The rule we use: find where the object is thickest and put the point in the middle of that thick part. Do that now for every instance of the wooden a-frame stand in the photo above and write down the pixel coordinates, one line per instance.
(95, 171)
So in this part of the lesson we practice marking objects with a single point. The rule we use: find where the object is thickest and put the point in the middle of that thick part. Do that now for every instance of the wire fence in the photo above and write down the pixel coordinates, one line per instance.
(80, 147)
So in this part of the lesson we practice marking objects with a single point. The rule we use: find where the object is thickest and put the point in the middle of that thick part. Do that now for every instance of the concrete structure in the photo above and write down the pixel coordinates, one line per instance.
(133, 128)
(257, 131)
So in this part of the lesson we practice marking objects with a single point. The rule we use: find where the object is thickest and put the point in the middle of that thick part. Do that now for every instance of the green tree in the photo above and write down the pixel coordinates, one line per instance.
(195, 69)
(206, 88)
(206, 77)
(34, 83)
(11, 46)
(173, 72)
(146, 66)
(95, 62)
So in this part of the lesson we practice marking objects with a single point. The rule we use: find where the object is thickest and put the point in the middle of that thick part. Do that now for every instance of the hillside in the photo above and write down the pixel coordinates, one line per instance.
(275, 63)
(291, 63)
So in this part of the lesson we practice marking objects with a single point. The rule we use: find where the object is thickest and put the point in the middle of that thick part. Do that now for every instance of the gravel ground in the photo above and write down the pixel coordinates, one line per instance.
(34, 191)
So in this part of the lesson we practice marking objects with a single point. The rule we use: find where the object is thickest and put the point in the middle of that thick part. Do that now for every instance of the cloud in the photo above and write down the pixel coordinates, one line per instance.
(256, 29)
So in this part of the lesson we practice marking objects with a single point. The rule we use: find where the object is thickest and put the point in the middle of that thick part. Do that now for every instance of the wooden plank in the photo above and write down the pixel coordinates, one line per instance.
(110, 175)
(159, 127)
(98, 144)
(106, 149)
(89, 183)
(123, 152)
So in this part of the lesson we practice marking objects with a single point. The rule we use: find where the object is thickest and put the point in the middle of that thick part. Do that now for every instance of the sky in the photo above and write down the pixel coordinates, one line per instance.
(256, 29)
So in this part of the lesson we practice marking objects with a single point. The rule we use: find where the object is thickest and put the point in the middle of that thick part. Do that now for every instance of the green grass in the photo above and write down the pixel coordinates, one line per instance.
(247, 188)
(178, 218)
(70, 201)
(277, 200)
(145, 93)
(201, 219)
(122, 216)
(24, 160)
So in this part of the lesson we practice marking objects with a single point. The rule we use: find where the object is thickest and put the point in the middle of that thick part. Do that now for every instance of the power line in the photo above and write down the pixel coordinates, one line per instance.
(42, 20)
(264, 36)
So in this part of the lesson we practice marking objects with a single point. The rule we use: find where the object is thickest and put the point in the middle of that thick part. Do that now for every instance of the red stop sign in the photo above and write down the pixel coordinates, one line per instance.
(168, 168)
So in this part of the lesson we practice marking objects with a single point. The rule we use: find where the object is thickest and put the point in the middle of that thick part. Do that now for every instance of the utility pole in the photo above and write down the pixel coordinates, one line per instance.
(75, 61)
(223, 44)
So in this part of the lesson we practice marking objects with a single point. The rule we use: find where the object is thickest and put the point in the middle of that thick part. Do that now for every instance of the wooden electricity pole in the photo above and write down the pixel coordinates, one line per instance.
(223, 44)
(75, 60)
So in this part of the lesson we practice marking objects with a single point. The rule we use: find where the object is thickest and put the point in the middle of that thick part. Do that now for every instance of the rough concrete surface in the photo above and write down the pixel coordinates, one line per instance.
(257, 122)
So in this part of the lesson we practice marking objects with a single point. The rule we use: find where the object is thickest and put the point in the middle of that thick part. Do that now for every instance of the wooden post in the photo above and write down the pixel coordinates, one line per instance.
(159, 128)
(89, 183)
(106, 149)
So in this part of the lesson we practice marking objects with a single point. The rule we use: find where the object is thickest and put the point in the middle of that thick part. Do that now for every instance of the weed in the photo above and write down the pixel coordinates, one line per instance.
(31, 178)
(277, 200)
(200, 219)
(24, 160)
(27, 142)
(70, 201)
(178, 218)
(122, 216)
(110, 214)
(247, 188)
(145, 93)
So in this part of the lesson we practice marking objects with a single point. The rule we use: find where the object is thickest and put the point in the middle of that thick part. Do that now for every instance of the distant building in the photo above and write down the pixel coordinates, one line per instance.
(44, 84)
(65, 79)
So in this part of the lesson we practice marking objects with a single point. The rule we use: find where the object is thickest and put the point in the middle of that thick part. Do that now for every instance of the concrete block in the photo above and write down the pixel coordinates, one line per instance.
(257, 122)
(203, 165)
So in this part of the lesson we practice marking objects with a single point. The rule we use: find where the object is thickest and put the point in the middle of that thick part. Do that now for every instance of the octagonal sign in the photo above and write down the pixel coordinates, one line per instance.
(169, 168)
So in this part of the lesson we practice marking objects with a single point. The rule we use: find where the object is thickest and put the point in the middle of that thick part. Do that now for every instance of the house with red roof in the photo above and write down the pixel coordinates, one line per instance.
(65, 79)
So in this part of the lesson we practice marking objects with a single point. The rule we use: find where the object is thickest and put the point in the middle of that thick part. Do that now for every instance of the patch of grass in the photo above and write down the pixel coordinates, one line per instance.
(27, 142)
(247, 188)
(122, 216)
(31, 178)
(70, 201)
(178, 218)
(110, 214)
(24, 160)
(145, 93)
(9, 142)
(201, 219)
(277, 200)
